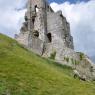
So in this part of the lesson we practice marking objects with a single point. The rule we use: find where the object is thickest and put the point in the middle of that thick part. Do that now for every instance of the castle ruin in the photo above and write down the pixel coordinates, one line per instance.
(46, 32)
(44, 28)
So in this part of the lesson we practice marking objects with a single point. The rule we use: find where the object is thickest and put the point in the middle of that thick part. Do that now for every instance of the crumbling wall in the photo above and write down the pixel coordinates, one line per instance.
(45, 26)
(22, 38)
(37, 46)
(59, 28)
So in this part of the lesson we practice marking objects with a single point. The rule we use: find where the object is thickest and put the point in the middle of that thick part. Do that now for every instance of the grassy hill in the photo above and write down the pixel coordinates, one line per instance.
(24, 73)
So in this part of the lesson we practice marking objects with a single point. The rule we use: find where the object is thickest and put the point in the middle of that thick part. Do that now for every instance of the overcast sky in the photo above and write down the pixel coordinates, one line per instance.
(79, 13)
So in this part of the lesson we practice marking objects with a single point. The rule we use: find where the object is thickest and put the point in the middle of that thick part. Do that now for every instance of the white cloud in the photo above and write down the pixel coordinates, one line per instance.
(82, 20)
(11, 19)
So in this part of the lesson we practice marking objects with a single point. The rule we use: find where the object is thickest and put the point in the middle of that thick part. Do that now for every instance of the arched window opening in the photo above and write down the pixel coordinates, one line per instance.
(49, 37)
(33, 20)
(36, 9)
(36, 33)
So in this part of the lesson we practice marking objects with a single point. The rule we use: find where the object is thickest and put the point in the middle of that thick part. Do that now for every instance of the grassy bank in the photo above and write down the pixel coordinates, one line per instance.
(24, 73)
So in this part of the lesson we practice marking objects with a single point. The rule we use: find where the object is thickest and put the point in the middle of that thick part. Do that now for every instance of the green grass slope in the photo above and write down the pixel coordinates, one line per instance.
(24, 73)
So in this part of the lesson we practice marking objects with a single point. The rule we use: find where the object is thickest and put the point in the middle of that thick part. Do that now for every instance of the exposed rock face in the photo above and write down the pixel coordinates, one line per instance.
(46, 32)
(85, 67)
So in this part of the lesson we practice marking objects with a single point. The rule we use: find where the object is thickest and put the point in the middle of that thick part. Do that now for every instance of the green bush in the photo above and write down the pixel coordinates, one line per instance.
(81, 56)
(74, 62)
(53, 55)
(66, 59)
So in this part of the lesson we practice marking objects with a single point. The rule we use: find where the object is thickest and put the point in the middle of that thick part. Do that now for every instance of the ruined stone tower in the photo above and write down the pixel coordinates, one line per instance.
(44, 30)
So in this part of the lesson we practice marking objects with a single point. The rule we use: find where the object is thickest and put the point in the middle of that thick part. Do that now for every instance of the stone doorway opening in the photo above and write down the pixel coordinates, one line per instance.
(49, 37)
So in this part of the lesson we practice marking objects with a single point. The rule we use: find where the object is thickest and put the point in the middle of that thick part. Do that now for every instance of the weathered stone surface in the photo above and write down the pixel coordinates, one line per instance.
(37, 46)
(22, 38)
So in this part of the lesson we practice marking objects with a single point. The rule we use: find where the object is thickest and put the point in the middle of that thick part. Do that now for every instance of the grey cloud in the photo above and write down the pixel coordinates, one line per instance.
(12, 4)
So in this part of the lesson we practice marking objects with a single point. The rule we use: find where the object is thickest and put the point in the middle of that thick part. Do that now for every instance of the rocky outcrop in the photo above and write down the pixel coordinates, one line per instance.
(86, 68)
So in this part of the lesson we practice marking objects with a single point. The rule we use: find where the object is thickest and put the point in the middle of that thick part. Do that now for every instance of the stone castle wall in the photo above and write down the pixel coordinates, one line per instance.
(40, 26)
